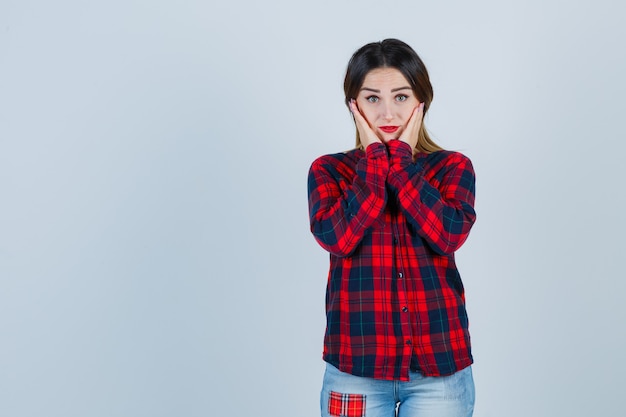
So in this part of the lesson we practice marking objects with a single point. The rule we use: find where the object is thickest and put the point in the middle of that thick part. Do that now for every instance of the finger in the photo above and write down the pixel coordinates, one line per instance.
(411, 133)
(357, 113)
(418, 113)
(358, 117)
(365, 131)
(413, 122)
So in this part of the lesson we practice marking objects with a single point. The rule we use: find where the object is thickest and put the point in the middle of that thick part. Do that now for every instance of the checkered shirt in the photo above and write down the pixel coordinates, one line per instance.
(391, 224)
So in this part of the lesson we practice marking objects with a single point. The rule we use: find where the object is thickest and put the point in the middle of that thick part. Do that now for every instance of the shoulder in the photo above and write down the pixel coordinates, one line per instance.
(340, 161)
(446, 157)
(449, 167)
(446, 160)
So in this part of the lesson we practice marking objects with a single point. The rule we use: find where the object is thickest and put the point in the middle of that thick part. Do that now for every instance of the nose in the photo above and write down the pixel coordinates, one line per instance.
(387, 112)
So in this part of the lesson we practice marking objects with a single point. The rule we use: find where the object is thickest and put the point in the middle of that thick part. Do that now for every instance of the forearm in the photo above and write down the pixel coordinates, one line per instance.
(442, 215)
(341, 212)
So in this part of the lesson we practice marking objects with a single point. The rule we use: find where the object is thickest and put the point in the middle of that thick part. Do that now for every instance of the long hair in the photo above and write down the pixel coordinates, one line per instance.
(392, 53)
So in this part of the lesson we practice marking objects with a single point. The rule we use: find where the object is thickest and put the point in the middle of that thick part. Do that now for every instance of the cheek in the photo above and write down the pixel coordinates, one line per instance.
(368, 113)
(406, 115)
(407, 111)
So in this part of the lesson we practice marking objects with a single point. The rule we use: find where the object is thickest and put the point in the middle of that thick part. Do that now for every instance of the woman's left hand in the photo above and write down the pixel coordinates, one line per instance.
(411, 132)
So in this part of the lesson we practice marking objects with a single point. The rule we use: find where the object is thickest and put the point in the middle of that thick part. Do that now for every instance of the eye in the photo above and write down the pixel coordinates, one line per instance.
(402, 97)
(372, 99)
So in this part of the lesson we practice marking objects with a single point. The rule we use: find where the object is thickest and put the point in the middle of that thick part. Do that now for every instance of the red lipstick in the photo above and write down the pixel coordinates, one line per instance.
(388, 129)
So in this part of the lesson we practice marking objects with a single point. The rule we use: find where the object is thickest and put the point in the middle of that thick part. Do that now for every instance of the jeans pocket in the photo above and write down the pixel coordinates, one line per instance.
(346, 405)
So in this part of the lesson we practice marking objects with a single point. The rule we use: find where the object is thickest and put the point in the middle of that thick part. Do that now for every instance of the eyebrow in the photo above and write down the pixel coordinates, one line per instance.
(393, 90)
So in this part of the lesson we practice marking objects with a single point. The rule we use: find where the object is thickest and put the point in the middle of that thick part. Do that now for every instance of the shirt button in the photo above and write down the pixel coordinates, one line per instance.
(401, 275)
(395, 240)
(405, 309)
(408, 342)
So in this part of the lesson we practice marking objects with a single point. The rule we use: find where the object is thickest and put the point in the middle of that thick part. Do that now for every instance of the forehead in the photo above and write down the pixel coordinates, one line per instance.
(384, 78)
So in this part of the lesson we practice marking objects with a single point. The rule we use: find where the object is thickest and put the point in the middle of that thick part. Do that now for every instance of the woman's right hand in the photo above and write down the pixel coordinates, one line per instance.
(366, 134)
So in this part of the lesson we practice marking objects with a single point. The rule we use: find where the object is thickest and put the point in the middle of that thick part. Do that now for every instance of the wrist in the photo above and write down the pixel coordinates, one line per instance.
(400, 149)
(375, 149)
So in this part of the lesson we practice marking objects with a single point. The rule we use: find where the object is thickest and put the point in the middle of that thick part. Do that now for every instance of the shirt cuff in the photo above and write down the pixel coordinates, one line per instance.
(376, 150)
(400, 149)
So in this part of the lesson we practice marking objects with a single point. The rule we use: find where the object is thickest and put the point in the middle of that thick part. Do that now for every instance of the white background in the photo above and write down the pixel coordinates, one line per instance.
(155, 258)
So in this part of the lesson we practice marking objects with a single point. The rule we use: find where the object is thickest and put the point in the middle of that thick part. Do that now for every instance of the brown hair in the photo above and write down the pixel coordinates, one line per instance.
(392, 53)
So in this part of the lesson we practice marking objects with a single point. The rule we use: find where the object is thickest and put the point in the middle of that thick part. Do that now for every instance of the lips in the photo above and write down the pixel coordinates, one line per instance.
(388, 129)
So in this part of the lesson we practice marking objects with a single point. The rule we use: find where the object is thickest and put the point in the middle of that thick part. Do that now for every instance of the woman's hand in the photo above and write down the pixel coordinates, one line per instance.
(411, 132)
(366, 134)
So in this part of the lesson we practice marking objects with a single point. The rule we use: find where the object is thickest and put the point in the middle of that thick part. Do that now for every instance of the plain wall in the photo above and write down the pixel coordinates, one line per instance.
(155, 257)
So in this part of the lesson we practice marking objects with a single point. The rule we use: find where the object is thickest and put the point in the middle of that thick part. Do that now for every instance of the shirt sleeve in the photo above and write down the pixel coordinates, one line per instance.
(341, 210)
(442, 215)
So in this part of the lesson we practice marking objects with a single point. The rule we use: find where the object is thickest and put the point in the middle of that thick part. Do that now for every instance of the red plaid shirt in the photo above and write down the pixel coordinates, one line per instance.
(391, 224)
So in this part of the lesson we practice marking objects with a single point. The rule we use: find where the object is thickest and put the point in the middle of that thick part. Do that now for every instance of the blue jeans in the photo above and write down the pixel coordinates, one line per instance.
(345, 395)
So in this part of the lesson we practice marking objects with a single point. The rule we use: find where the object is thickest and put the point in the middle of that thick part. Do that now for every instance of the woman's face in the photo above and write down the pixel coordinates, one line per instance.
(386, 100)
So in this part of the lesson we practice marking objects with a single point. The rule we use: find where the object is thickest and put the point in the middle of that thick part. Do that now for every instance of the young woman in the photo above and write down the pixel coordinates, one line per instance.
(392, 212)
